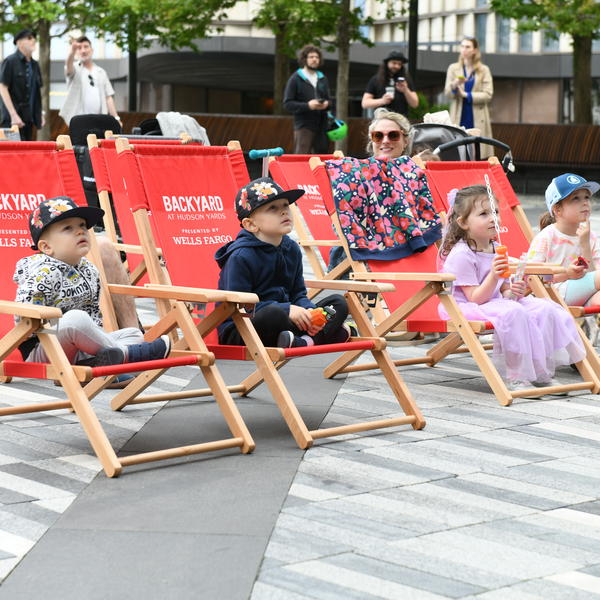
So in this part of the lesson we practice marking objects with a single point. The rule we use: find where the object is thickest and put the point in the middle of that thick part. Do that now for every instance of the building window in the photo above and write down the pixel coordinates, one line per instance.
(481, 3)
(480, 30)
(502, 34)
(550, 43)
(526, 41)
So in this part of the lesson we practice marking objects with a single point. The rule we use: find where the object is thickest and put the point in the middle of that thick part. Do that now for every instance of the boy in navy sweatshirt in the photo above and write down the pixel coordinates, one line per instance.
(265, 261)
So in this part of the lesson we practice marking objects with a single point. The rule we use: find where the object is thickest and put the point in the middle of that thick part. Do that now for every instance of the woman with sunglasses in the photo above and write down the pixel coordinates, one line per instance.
(388, 134)
(470, 87)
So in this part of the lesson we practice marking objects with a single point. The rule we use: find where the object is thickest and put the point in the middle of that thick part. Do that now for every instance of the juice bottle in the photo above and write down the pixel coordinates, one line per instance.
(503, 251)
(320, 316)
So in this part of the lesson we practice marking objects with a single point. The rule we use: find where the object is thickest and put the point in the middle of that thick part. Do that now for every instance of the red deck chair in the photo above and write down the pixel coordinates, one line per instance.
(414, 306)
(103, 156)
(515, 229)
(29, 173)
(189, 193)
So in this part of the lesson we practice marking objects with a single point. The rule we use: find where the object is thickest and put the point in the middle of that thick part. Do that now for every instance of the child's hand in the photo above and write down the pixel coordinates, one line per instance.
(301, 318)
(518, 288)
(499, 265)
(583, 233)
(575, 271)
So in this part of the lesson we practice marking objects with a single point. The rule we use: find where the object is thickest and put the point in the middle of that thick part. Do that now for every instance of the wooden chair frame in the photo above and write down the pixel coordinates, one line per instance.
(269, 360)
(462, 333)
(35, 319)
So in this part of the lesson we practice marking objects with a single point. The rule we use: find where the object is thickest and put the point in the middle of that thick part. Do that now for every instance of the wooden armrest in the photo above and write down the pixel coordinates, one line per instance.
(350, 286)
(33, 311)
(404, 276)
(186, 294)
(310, 243)
(577, 311)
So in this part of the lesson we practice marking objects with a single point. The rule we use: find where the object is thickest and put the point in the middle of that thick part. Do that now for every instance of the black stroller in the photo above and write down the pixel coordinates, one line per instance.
(454, 143)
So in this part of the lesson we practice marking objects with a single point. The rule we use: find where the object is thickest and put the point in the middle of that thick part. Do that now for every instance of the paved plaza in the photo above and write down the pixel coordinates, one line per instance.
(486, 502)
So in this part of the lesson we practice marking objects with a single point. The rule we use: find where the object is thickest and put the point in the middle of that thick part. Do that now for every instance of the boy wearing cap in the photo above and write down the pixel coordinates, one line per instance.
(265, 261)
(61, 276)
(565, 238)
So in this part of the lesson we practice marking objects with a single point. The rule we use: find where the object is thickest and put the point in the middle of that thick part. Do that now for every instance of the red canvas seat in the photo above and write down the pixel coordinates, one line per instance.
(185, 197)
(414, 306)
(29, 173)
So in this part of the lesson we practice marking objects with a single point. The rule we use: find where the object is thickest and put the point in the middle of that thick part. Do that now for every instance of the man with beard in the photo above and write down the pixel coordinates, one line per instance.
(307, 98)
(20, 87)
(391, 87)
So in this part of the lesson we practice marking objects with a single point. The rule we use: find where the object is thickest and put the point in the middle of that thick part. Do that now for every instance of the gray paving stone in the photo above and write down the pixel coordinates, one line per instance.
(28, 471)
(538, 589)
(8, 496)
(413, 578)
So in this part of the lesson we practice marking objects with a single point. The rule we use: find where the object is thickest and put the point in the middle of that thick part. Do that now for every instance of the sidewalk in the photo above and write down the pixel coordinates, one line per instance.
(486, 502)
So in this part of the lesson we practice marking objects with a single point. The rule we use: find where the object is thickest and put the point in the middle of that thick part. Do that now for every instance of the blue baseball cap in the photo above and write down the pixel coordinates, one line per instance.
(564, 185)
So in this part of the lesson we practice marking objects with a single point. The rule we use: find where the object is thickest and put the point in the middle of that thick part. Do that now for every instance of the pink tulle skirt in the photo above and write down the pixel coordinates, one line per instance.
(532, 336)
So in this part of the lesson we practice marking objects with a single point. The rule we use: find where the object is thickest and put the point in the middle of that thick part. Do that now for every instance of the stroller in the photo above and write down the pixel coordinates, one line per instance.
(453, 143)
(79, 128)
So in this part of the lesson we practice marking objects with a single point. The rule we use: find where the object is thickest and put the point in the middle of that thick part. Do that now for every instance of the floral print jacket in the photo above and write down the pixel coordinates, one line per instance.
(384, 205)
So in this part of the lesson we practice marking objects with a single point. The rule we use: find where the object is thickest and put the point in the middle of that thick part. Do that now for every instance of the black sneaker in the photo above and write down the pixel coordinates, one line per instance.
(155, 350)
(287, 339)
(104, 357)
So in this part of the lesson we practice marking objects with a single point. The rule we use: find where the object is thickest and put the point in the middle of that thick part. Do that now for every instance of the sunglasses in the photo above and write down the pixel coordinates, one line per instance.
(393, 136)
(91, 80)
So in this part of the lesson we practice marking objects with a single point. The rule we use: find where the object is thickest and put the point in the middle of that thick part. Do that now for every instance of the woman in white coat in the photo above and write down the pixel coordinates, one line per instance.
(470, 87)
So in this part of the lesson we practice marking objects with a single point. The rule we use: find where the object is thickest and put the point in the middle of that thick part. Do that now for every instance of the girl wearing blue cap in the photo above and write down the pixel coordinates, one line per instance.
(565, 238)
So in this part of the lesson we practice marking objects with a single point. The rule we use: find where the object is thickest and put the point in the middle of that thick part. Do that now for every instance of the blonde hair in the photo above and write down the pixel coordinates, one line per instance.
(476, 55)
(464, 201)
(385, 114)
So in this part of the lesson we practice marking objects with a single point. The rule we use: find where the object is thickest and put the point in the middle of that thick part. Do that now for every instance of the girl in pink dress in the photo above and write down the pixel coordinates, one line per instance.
(532, 336)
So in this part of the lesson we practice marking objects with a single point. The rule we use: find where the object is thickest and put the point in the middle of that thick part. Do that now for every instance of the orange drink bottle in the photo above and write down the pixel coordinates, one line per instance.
(320, 316)
(503, 251)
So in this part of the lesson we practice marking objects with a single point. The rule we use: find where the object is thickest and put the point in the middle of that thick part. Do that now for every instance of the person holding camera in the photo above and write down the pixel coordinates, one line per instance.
(391, 87)
(307, 97)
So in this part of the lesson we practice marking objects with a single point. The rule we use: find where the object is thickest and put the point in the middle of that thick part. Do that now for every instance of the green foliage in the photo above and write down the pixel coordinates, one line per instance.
(176, 24)
(416, 114)
(310, 21)
(577, 17)
(19, 14)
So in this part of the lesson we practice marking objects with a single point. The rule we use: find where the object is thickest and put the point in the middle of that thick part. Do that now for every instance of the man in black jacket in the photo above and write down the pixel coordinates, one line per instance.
(307, 98)
(20, 87)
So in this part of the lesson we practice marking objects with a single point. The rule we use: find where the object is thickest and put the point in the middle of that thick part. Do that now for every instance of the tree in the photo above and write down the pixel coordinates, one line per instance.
(139, 24)
(39, 15)
(578, 18)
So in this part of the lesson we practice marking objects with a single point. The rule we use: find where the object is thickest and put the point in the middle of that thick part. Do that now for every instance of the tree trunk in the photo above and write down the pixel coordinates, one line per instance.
(343, 37)
(132, 62)
(582, 79)
(43, 31)
(281, 72)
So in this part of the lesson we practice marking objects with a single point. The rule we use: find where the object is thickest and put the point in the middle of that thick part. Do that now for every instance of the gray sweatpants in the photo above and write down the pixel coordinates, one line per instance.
(81, 338)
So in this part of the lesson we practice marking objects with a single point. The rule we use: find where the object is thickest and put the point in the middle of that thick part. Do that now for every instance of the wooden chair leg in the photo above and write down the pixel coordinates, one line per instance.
(81, 405)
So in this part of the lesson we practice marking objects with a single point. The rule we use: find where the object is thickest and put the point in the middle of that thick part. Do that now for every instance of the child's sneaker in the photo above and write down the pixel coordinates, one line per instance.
(287, 339)
(517, 385)
(548, 383)
(155, 350)
(104, 357)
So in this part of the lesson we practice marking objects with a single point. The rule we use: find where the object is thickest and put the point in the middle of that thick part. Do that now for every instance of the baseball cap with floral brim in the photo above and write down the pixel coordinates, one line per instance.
(564, 185)
(261, 191)
(59, 208)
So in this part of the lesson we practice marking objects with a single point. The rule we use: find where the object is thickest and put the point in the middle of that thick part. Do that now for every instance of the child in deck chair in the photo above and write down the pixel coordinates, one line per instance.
(61, 276)
(265, 261)
(532, 336)
(565, 236)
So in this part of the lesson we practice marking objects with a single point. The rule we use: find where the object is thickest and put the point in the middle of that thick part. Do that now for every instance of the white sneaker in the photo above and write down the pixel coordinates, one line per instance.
(548, 383)
(517, 385)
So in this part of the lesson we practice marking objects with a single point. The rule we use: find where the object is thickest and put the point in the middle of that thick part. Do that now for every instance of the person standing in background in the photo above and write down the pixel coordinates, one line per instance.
(307, 97)
(391, 87)
(470, 87)
(89, 90)
(20, 87)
